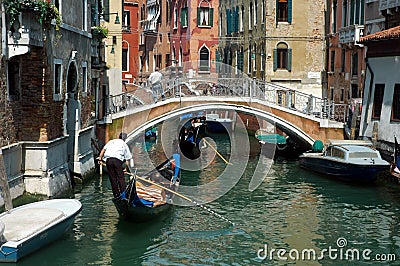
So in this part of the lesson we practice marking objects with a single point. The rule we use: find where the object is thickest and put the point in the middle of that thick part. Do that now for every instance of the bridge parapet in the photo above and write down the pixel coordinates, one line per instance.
(246, 89)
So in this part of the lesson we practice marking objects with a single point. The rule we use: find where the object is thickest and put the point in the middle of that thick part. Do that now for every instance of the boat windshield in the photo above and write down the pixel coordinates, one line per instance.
(363, 155)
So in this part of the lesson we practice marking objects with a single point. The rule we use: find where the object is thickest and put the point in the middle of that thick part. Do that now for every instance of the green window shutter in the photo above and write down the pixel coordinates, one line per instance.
(240, 61)
(275, 59)
(183, 17)
(237, 19)
(277, 11)
(198, 16)
(289, 59)
(290, 11)
(211, 17)
(228, 21)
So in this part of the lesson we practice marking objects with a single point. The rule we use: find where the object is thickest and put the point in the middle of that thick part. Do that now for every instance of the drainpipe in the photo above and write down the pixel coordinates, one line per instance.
(366, 103)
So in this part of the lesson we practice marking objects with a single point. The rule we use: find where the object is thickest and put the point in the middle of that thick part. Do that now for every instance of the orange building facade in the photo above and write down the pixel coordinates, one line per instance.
(194, 31)
(130, 42)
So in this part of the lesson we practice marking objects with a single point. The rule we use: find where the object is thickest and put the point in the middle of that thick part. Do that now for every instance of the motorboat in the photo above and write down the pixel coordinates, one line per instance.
(349, 160)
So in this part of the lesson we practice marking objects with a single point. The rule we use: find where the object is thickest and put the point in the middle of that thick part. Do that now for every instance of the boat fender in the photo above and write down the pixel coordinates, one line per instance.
(318, 146)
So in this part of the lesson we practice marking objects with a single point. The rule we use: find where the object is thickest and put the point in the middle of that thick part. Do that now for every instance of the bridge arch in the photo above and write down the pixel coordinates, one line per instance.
(293, 131)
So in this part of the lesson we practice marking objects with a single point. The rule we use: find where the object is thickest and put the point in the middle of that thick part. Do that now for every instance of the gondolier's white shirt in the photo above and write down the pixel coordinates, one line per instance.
(117, 148)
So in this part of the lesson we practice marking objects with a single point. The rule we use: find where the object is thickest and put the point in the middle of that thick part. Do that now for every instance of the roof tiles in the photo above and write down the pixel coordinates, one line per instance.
(389, 34)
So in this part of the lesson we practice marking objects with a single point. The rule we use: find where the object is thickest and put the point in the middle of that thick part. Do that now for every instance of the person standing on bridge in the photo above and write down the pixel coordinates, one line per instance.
(156, 85)
(116, 152)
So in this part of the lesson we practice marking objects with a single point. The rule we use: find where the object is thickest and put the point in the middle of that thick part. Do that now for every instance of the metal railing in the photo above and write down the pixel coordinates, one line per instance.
(244, 88)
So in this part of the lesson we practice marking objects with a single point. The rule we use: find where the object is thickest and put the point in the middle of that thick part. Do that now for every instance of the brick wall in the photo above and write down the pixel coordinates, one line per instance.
(7, 128)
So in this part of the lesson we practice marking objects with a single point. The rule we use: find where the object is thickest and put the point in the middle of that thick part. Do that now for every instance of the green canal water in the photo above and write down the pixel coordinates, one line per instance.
(292, 215)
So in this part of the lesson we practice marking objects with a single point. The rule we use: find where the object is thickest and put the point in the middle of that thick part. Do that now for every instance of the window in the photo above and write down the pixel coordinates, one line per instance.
(396, 103)
(184, 17)
(378, 99)
(255, 13)
(175, 17)
(253, 56)
(344, 12)
(167, 60)
(126, 21)
(333, 54)
(354, 91)
(249, 60)
(13, 80)
(282, 57)
(204, 60)
(168, 12)
(205, 14)
(343, 60)
(262, 58)
(262, 11)
(228, 22)
(173, 57)
(84, 77)
(240, 59)
(84, 15)
(180, 56)
(241, 27)
(142, 12)
(354, 65)
(124, 59)
(140, 63)
(158, 60)
(341, 94)
(57, 79)
(251, 16)
(334, 10)
(284, 11)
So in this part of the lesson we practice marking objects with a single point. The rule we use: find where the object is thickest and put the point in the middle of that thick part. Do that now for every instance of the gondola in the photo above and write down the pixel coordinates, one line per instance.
(189, 137)
(148, 200)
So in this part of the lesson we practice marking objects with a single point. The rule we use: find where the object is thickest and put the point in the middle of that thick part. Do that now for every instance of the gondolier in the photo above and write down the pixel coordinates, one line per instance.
(115, 153)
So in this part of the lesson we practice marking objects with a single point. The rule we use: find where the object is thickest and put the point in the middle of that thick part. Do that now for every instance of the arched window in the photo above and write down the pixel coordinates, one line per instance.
(204, 64)
(205, 14)
(282, 57)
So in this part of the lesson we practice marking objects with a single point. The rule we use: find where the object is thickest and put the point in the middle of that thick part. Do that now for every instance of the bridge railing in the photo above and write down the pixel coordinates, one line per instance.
(245, 88)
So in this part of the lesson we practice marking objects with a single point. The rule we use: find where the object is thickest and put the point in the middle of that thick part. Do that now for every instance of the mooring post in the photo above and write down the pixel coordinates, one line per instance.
(4, 184)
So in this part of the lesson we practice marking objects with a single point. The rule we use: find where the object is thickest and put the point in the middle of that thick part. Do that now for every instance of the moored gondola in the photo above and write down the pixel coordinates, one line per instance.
(149, 196)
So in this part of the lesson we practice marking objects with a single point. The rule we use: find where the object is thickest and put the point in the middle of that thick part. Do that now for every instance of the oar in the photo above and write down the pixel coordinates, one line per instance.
(222, 157)
(183, 197)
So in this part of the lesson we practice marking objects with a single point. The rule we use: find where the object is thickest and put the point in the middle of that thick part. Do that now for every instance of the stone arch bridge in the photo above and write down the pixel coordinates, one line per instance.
(302, 116)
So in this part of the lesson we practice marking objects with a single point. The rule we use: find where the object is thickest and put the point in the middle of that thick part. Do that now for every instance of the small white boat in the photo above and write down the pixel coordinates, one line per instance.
(352, 160)
(29, 227)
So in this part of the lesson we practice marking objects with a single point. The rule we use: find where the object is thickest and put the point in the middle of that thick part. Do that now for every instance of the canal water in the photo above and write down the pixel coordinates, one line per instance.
(293, 218)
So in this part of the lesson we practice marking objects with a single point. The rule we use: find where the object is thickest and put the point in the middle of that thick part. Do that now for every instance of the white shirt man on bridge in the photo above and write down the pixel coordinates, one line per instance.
(156, 85)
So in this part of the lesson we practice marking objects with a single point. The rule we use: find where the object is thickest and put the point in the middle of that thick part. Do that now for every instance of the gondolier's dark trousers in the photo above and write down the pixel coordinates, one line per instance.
(116, 175)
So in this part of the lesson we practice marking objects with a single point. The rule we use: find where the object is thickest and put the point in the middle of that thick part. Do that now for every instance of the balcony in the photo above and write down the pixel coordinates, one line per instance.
(386, 5)
(351, 34)
(153, 13)
(29, 33)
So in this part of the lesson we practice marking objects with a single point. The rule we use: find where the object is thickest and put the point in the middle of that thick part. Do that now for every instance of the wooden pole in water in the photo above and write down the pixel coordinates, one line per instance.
(212, 147)
(4, 184)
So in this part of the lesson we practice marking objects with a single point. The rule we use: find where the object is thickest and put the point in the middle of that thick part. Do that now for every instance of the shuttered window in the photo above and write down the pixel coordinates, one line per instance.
(282, 58)
(205, 16)
(184, 17)
(284, 11)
